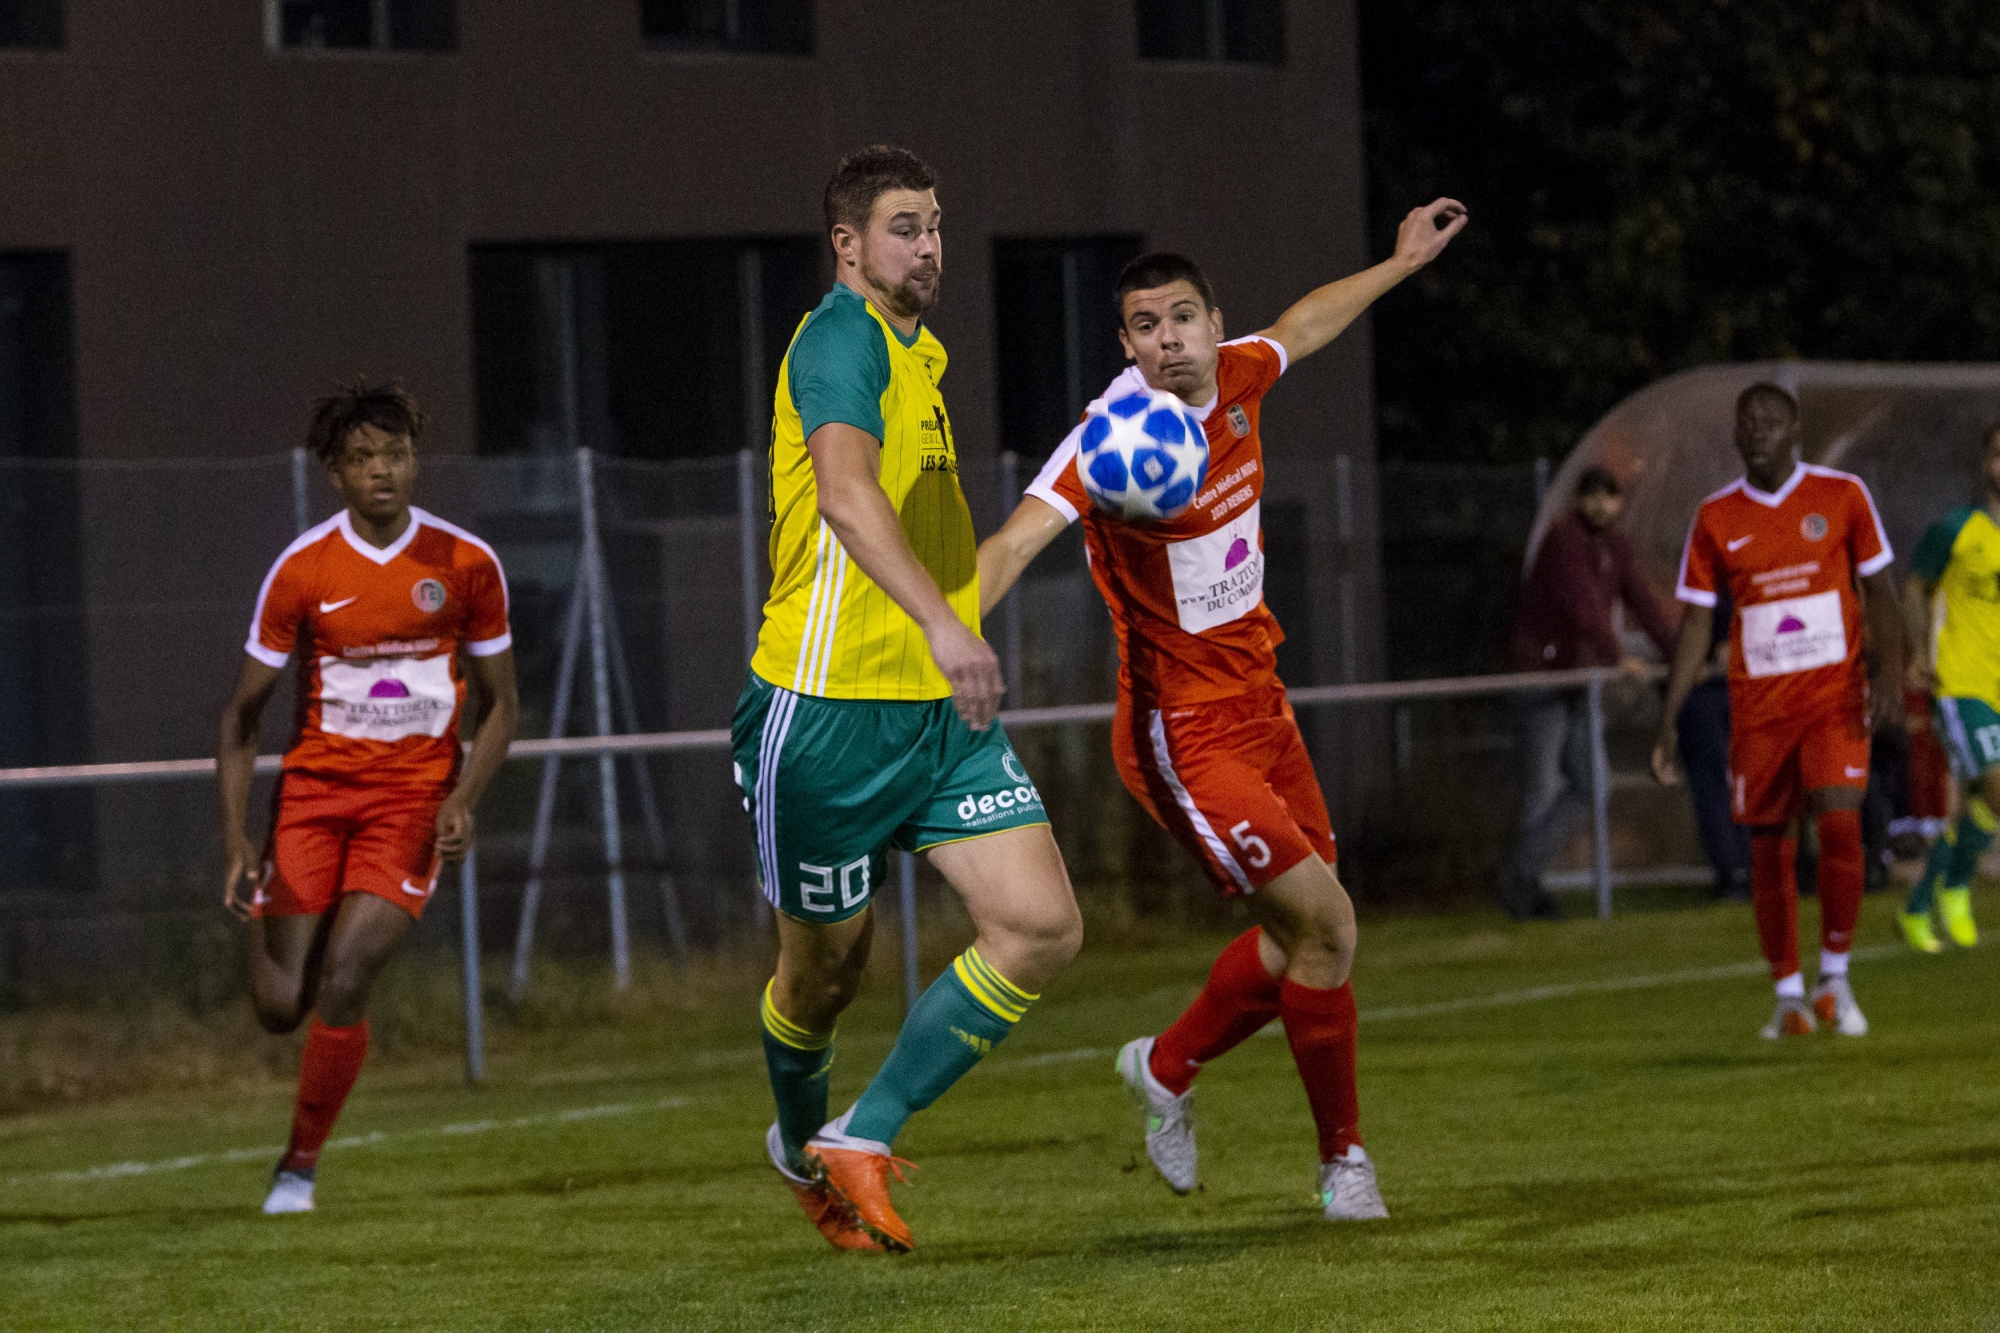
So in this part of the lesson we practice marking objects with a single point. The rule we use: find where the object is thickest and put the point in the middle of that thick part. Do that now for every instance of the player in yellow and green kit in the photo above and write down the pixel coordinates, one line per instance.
(868, 719)
(1958, 566)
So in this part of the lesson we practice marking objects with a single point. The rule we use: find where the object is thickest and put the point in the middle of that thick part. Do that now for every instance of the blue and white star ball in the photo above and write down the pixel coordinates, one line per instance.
(1143, 455)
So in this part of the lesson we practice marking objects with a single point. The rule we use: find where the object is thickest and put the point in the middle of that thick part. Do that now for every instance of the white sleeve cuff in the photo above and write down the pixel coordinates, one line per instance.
(1048, 496)
(491, 647)
(1879, 563)
(265, 655)
(1696, 597)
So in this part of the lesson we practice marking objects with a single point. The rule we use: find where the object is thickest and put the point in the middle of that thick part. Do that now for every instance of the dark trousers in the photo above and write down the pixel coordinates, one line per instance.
(1552, 739)
(1704, 733)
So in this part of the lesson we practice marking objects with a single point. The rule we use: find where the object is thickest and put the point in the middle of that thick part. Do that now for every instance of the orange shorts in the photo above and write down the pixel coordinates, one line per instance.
(1771, 768)
(1231, 780)
(332, 837)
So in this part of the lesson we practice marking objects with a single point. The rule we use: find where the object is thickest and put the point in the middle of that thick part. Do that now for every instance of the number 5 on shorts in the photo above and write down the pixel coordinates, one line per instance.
(1257, 851)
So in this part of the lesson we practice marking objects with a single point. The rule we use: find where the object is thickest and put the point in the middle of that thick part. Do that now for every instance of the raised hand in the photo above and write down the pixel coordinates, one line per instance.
(1421, 238)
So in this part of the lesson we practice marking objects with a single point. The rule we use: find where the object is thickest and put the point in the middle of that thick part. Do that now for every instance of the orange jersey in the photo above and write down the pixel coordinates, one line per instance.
(1790, 561)
(379, 632)
(1187, 595)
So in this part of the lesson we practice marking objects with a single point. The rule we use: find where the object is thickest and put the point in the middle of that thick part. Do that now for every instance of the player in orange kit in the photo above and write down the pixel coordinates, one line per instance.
(1791, 542)
(376, 604)
(1204, 738)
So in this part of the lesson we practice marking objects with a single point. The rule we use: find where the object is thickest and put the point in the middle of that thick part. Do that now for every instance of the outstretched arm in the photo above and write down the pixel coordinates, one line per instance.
(847, 467)
(1321, 315)
(1003, 556)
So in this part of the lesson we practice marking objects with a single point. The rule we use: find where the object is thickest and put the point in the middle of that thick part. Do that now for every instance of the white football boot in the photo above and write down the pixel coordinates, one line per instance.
(291, 1192)
(1792, 1018)
(1347, 1190)
(1169, 1119)
(1833, 1001)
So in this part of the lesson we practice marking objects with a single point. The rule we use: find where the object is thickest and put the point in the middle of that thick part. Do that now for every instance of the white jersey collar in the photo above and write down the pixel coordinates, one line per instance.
(381, 555)
(1769, 499)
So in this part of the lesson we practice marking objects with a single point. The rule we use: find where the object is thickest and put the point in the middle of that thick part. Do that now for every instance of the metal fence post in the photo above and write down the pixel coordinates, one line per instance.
(907, 874)
(301, 501)
(545, 803)
(1010, 610)
(1600, 796)
(746, 517)
(468, 920)
(600, 682)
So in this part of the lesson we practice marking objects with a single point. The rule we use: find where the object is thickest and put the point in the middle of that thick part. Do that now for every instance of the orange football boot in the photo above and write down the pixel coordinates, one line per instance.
(860, 1180)
(821, 1204)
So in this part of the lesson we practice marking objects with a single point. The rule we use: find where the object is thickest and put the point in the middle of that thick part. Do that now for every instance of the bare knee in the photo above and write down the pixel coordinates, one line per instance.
(1031, 949)
(343, 996)
(277, 1016)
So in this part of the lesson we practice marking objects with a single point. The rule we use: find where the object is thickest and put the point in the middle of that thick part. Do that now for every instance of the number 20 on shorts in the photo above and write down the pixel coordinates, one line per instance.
(834, 882)
(1255, 850)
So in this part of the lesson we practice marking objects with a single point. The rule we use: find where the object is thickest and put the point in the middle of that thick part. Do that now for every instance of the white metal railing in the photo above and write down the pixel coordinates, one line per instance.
(1590, 680)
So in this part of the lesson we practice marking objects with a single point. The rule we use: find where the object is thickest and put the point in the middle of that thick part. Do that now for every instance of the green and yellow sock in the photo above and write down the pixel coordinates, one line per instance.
(965, 1013)
(801, 1066)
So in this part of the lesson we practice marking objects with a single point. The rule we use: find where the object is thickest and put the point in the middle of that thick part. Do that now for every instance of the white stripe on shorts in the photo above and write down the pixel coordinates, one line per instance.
(777, 721)
(1195, 817)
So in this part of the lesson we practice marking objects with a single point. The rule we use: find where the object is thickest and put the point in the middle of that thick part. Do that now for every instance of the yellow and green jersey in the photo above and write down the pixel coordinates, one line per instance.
(1960, 556)
(828, 629)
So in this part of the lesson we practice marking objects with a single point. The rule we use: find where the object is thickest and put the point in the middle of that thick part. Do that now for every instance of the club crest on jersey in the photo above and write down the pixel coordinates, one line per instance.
(1239, 420)
(1814, 528)
(428, 594)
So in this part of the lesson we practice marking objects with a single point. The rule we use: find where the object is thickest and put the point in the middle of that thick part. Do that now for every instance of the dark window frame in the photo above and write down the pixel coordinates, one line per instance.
(1230, 32)
(741, 35)
(32, 25)
(394, 28)
(1047, 289)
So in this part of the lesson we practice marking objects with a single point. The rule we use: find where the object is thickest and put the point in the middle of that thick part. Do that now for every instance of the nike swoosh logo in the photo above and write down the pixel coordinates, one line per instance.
(413, 891)
(1740, 542)
(326, 608)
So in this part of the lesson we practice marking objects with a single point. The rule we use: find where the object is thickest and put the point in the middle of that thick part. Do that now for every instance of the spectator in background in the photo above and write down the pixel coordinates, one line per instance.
(1704, 732)
(1584, 567)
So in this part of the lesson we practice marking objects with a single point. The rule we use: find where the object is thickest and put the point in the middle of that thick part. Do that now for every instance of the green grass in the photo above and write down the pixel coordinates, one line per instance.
(1626, 1158)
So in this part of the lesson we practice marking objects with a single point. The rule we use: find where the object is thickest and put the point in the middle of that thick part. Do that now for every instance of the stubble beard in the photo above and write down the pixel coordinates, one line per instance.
(906, 298)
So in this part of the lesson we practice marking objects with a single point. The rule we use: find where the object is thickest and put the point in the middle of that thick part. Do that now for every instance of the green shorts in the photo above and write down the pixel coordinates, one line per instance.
(1970, 730)
(832, 784)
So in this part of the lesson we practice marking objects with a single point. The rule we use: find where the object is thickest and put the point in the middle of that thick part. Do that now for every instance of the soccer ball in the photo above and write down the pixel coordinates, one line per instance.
(1143, 455)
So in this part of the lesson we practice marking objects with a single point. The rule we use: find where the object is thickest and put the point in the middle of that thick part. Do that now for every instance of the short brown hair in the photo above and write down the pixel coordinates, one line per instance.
(1157, 270)
(865, 176)
(386, 407)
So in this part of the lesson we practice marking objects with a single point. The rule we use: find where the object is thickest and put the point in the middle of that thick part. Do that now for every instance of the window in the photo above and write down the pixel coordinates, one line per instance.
(775, 27)
(1241, 30)
(359, 25)
(643, 349)
(43, 638)
(31, 23)
(1057, 332)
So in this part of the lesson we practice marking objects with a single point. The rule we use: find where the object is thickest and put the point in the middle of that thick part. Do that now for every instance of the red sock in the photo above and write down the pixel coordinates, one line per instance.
(1774, 896)
(1320, 1026)
(1843, 872)
(1240, 997)
(327, 1072)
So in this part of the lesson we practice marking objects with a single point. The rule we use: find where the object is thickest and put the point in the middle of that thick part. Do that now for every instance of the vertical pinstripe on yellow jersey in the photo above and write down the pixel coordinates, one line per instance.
(828, 630)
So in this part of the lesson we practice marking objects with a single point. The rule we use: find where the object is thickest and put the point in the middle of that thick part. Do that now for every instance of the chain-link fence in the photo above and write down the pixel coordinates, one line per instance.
(130, 596)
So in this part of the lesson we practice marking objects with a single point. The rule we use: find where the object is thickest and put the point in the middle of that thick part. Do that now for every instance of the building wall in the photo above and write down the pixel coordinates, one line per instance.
(245, 227)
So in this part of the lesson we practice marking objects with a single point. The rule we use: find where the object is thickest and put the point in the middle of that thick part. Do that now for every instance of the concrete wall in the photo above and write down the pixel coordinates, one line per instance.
(246, 226)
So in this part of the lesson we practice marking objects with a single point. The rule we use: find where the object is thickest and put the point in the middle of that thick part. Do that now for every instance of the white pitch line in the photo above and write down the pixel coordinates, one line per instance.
(120, 1170)
(1502, 1000)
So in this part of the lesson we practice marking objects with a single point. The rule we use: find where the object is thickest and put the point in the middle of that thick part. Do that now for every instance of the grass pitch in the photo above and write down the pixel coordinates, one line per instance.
(1575, 1125)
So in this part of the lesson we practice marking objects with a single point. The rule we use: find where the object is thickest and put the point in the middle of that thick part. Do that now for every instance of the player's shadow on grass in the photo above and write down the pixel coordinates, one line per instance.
(1197, 1243)
(165, 1213)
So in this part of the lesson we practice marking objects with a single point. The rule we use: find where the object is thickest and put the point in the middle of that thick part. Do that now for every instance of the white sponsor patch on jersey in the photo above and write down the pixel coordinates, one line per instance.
(1793, 634)
(386, 699)
(1220, 577)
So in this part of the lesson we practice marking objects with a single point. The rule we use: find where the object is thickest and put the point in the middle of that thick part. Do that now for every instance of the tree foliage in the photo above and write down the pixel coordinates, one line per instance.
(1670, 183)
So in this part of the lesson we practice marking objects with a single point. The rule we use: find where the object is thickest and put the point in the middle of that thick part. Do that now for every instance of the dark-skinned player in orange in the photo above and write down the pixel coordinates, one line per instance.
(384, 609)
